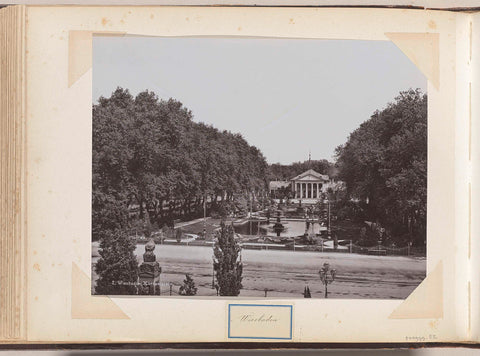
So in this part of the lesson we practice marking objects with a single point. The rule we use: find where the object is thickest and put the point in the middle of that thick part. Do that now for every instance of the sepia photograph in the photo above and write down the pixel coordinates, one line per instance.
(257, 168)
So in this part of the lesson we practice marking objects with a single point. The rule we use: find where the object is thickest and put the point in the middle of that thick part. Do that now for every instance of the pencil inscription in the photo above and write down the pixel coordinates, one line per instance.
(263, 318)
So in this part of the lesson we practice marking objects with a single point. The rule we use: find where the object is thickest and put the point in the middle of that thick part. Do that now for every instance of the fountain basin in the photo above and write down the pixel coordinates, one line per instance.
(292, 228)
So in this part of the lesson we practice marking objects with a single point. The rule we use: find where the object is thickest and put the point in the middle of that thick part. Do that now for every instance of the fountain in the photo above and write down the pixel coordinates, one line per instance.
(278, 226)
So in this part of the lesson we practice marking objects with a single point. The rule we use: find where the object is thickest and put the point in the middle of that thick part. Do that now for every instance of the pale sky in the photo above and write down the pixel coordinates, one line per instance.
(285, 96)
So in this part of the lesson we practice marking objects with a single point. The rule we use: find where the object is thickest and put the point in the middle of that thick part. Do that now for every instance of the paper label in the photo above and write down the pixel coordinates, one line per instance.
(260, 321)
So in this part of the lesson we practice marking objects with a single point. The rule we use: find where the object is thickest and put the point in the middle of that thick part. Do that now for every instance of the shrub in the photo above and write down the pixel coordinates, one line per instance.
(188, 287)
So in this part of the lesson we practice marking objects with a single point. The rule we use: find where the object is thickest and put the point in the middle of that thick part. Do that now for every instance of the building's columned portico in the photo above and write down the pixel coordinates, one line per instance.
(309, 185)
(311, 190)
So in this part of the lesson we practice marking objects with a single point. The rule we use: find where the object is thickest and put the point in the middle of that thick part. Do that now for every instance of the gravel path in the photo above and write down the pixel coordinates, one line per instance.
(285, 273)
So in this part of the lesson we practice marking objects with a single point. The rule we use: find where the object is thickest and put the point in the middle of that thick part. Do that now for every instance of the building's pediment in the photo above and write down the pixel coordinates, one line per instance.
(310, 176)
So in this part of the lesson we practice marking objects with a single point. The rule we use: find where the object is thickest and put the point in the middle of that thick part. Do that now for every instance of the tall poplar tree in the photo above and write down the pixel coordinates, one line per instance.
(227, 265)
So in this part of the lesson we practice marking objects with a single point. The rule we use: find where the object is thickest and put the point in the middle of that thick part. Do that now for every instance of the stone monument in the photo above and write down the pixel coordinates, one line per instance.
(149, 270)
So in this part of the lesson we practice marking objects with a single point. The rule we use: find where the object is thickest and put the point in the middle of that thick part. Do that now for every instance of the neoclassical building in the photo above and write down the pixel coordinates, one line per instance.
(307, 186)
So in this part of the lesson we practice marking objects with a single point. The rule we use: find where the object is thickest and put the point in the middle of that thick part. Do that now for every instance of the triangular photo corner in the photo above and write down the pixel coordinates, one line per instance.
(86, 306)
(79, 55)
(423, 50)
(426, 301)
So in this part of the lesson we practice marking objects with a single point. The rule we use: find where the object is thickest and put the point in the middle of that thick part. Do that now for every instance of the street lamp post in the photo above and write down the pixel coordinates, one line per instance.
(327, 276)
(205, 216)
(250, 197)
(213, 262)
(213, 272)
(329, 230)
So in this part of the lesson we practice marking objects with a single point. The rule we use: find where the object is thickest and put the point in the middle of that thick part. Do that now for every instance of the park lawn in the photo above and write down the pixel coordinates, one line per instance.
(211, 224)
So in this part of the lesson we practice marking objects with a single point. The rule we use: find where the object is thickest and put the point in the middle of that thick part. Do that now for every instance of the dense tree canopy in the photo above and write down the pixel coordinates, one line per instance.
(384, 165)
(150, 154)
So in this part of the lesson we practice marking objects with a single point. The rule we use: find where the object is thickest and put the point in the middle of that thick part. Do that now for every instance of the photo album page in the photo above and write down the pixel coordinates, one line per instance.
(248, 174)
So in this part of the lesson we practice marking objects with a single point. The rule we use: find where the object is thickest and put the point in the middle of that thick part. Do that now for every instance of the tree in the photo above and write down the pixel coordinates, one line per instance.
(284, 193)
(227, 266)
(110, 158)
(178, 235)
(108, 213)
(151, 156)
(384, 166)
(188, 287)
(117, 267)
